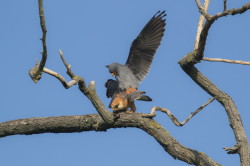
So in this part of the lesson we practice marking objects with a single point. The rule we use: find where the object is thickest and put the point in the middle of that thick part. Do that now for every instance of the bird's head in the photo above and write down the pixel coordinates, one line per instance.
(113, 69)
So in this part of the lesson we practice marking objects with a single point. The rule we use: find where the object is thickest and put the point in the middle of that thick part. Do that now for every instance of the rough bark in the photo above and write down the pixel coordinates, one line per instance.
(94, 122)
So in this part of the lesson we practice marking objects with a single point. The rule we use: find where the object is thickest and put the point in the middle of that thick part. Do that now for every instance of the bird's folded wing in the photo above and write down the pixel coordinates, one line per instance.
(132, 96)
(112, 88)
(145, 45)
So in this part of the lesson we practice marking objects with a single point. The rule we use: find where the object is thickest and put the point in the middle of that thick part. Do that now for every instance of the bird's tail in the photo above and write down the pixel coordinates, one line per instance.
(145, 98)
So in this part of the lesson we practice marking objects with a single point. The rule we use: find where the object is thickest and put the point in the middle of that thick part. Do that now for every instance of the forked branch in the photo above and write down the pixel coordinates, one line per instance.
(240, 10)
(203, 10)
(187, 64)
(88, 91)
(199, 52)
(39, 68)
(60, 78)
(75, 79)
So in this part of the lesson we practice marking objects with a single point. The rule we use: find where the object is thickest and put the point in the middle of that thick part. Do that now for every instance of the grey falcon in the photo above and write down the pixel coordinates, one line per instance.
(140, 57)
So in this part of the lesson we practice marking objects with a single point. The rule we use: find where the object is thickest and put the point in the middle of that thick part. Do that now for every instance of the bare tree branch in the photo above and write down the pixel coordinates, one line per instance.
(224, 5)
(232, 11)
(172, 117)
(226, 60)
(198, 53)
(36, 72)
(200, 22)
(231, 110)
(203, 10)
(88, 91)
(38, 69)
(60, 78)
(68, 67)
(94, 122)
(187, 64)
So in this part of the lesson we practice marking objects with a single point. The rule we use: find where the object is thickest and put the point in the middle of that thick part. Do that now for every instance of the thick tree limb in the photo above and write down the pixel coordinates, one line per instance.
(94, 122)
(226, 60)
(172, 117)
(231, 110)
(36, 72)
(187, 64)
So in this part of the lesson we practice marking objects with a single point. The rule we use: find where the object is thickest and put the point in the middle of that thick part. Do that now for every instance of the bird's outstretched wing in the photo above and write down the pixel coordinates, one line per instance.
(112, 88)
(145, 45)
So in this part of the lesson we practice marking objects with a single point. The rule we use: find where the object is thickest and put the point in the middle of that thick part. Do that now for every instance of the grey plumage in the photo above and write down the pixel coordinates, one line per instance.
(138, 95)
(140, 57)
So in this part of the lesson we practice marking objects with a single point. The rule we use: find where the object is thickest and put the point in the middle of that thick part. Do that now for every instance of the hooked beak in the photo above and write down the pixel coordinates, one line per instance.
(113, 73)
(107, 66)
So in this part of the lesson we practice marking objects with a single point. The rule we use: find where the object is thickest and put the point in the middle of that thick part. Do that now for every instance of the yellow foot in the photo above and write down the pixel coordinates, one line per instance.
(129, 111)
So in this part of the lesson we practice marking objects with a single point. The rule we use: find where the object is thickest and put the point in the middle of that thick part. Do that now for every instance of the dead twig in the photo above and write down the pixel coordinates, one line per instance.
(60, 78)
(224, 5)
(226, 61)
(68, 67)
(172, 117)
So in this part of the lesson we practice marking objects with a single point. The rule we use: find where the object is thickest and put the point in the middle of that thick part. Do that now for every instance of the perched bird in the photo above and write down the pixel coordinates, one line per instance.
(140, 57)
(124, 100)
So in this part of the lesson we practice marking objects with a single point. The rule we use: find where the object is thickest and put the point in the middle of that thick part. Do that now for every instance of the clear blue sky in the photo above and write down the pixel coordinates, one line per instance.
(93, 34)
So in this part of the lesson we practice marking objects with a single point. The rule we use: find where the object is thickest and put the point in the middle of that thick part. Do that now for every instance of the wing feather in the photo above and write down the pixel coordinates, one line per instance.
(138, 95)
(112, 88)
(145, 45)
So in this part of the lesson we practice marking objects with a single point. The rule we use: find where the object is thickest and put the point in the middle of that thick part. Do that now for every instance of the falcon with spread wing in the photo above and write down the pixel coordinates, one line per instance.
(140, 57)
